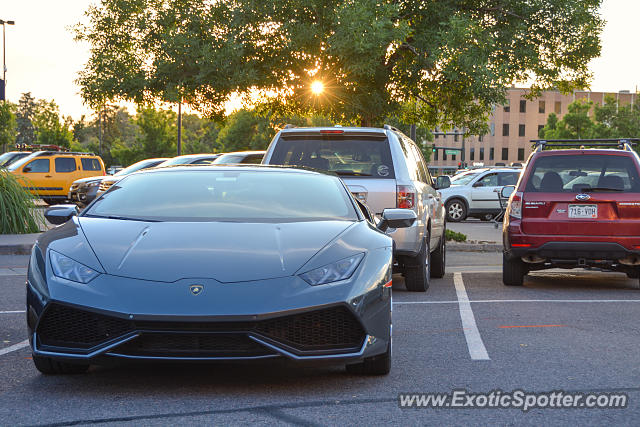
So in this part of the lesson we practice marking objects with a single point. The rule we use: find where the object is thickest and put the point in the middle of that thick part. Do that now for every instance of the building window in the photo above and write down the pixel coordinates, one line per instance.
(480, 138)
(435, 154)
(492, 128)
(541, 107)
(558, 107)
(520, 130)
(507, 107)
(444, 155)
(520, 154)
(453, 157)
(481, 153)
(523, 106)
(455, 136)
(435, 135)
(491, 153)
(505, 129)
(540, 127)
(505, 154)
(472, 153)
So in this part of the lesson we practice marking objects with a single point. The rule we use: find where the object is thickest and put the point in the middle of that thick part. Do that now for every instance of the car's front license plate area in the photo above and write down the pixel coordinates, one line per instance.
(583, 211)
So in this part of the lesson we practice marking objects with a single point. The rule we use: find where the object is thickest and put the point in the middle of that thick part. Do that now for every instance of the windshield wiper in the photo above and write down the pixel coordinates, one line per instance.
(602, 189)
(352, 173)
(125, 218)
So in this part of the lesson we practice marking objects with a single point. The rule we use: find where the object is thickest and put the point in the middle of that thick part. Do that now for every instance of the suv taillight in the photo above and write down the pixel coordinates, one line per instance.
(406, 196)
(515, 207)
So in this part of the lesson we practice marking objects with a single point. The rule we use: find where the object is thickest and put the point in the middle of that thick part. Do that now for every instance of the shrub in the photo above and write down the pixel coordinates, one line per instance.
(455, 236)
(17, 207)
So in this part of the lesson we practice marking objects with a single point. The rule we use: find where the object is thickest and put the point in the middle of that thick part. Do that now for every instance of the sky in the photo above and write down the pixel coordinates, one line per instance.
(43, 58)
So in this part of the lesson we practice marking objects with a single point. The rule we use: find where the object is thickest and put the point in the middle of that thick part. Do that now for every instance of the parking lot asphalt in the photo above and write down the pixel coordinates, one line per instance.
(563, 330)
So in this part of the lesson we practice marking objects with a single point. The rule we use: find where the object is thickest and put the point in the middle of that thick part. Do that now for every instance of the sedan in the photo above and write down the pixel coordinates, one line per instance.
(215, 263)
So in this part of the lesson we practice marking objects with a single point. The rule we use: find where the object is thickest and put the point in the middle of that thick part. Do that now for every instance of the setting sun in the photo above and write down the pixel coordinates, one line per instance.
(317, 87)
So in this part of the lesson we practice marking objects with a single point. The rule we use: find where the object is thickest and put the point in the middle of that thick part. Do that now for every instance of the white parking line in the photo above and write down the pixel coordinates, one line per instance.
(516, 300)
(14, 347)
(477, 351)
(12, 311)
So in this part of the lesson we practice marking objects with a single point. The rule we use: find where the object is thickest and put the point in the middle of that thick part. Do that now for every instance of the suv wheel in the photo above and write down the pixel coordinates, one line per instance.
(418, 269)
(48, 366)
(439, 259)
(513, 271)
(456, 210)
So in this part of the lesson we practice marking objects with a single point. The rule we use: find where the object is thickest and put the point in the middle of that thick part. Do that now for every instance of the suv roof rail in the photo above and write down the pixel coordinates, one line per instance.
(619, 143)
(51, 153)
(289, 126)
(393, 128)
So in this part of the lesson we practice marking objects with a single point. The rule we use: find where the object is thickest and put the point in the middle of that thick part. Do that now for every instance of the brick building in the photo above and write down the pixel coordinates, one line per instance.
(512, 127)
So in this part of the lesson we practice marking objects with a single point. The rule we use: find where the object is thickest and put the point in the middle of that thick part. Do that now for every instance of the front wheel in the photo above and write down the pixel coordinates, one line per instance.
(456, 210)
(418, 269)
(513, 271)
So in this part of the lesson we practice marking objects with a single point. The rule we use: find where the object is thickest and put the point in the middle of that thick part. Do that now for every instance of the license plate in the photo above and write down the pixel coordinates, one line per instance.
(583, 211)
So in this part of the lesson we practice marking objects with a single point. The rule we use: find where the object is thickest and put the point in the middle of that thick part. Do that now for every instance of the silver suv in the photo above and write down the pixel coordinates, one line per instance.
(383, 168)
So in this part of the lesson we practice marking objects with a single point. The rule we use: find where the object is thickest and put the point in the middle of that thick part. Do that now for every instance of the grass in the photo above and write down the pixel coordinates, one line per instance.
(18, 212)
(455, 236)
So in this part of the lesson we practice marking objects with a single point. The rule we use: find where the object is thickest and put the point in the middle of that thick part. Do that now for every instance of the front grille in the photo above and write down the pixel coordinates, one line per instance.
(105, 185)
(193, 345)
(69, 327)
(74, 186)
(333, 328)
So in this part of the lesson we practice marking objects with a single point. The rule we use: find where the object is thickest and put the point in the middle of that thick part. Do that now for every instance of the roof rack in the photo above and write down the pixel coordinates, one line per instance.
(289, 126)
(393, 128)
(51, 153)
(619, 143)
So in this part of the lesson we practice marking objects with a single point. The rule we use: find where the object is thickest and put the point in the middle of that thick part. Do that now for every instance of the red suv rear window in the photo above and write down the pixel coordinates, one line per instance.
(583, 173)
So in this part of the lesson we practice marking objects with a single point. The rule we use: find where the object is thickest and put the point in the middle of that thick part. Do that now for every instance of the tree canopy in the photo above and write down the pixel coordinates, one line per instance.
(451, 59)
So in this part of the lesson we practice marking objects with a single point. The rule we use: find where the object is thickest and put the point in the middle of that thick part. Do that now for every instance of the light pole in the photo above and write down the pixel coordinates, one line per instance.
(4, 60)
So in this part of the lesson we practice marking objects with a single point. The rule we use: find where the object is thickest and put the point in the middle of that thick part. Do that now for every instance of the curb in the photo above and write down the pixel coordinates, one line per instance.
(17, 249)
(474, 247)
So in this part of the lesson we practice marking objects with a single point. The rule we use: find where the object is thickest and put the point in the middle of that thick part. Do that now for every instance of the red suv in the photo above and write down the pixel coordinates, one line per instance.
(574, 207)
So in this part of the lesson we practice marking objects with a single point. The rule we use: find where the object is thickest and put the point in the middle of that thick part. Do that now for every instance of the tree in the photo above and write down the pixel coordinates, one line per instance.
(49, 127)
(7, 125)
(245, 130)
(25, 113)
(453, 58)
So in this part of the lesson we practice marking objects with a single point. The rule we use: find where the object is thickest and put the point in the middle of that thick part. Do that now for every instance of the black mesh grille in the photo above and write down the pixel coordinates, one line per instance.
(316, 330)
(193, 345)
(69, 327)
(328, 329)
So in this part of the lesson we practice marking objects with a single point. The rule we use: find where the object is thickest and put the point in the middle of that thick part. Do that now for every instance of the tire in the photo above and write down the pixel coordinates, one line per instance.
(49, 366)
(439, 259)
(513, 271)
(487, 217)
(456, 210)
(417, 270)
(50, 202)
(376, 365)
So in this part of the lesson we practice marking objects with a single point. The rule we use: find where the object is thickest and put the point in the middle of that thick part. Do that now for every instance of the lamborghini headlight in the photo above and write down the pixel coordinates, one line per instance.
(339, 270)
(66, 268)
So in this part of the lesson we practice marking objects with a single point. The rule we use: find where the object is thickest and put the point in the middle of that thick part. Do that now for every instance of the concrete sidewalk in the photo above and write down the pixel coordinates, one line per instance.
(17, 244)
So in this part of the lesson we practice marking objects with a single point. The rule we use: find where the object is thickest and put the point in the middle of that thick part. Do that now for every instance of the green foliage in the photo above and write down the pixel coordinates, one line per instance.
(455, 236)
(245, 130)
(7, 125)
(588, 121)
(49, 127)
(25, 114)
(17, 208)
(453, 59)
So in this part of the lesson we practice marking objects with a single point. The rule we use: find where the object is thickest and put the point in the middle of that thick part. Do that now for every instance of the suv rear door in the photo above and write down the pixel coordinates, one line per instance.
(583, 193)
(362, 159)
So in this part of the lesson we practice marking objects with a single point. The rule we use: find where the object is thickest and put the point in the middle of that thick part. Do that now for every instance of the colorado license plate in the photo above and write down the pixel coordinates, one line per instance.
(583, 211)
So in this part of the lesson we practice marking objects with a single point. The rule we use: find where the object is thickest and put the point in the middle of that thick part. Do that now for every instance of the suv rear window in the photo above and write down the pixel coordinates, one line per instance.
(89, 164)
(346, 156)
(580, 173)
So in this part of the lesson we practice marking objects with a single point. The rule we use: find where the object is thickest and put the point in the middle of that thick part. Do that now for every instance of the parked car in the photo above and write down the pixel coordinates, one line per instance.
(84, 190)
(557, 219)
(190, 159)
(384, 169)
(11, 156)
(49, 174)
(214, 263)
(474, 193)
(107, 182)
(240, 157)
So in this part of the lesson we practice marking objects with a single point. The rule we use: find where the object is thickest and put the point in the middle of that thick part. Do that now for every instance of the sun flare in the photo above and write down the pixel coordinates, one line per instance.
(317, 87)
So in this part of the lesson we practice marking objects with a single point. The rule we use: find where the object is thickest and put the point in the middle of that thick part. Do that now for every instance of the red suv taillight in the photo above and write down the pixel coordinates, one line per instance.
(515, 207)
(406, 196)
